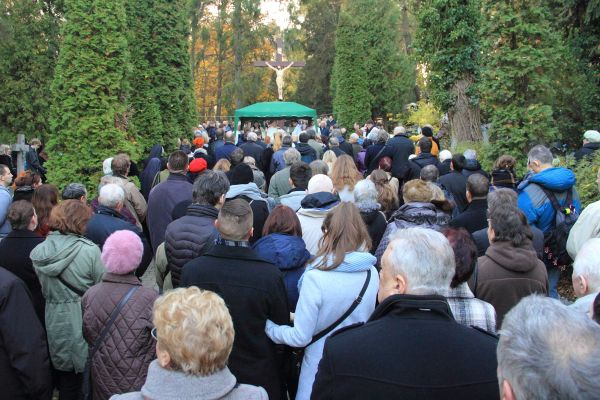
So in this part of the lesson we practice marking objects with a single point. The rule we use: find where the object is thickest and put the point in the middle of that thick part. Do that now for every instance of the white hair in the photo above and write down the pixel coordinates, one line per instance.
(587, 264)
(541, 154)
(547, 351)
(470, 154)
(107, 166)
(365, 196)
(253, 137)
(320, 183)
(291, 156)
(354, 136)
(424, 258)
(399, 130)
(111, 195)
(445, 155)
(250, 161)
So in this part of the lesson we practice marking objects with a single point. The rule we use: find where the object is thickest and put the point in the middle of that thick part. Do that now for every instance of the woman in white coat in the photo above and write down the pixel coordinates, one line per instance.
(329, 287)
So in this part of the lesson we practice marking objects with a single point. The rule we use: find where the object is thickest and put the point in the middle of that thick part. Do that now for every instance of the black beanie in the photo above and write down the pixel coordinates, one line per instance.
(241, 174)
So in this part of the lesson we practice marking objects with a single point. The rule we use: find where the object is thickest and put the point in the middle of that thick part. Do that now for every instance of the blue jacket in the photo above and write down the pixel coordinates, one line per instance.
(224, 151)
(289, 254)
(535, 204)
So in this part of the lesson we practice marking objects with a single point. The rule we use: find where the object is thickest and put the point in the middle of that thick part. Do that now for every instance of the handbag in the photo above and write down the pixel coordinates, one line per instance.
(87, 372)
(297, 354)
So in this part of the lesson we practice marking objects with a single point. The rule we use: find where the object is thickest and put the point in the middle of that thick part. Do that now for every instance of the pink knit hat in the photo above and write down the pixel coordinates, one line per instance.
(122, 252)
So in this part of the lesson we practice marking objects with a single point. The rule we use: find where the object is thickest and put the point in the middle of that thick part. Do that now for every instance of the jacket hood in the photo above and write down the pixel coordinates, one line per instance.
(424, 159)
(593, 145)
(304, 148)
(369, 216)
(472, 165)
(285, 251)
(320, 200)
(556, 179)
(517, 259)
(56, 253)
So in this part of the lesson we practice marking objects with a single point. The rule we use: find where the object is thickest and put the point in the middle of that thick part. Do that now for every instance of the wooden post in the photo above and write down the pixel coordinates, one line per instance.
(22, 150)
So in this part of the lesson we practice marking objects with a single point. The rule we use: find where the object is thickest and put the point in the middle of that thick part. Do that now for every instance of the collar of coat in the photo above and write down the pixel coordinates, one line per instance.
(236, 253)
(202, 210)
(129, 279)
(421, 307)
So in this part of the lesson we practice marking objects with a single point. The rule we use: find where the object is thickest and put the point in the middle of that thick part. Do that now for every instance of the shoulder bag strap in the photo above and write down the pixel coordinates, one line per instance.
(552, 197)
(71, 287)
(113, 317)
(341, 319)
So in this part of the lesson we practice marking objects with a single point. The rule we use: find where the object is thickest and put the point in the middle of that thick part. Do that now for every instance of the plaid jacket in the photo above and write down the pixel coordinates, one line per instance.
(470, 311)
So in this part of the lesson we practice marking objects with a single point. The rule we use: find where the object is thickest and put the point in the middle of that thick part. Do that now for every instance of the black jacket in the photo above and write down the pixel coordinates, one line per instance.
(399, 148)
(24, 361)
(260, 213)
(372, 158)
(346, 147)
(473, 218)
(482, 242)
(473, 167)
(8, 161)
(456, 183)
(386, 359)
(14, 256)
(189, 237)
(588, 149)
(107, 221)
(420, 162)
(444, 167)
(254, 150)
(376, 223)
(253, 290)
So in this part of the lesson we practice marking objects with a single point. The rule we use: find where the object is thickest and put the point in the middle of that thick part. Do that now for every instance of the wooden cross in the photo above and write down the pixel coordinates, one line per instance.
(21, 148)
(279, 66)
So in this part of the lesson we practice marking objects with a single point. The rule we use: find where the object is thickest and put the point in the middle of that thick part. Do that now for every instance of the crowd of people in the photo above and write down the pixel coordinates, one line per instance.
(323, 263)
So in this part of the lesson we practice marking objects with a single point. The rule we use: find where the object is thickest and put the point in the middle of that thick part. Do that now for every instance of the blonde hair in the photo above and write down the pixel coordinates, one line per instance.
(417, 191)
(386, 196)
(329, 158)
(222, 165)
(345, 173)
(194, 326)
(277, 140)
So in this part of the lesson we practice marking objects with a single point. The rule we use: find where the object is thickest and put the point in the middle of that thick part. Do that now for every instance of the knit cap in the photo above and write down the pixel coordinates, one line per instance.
(122, 252)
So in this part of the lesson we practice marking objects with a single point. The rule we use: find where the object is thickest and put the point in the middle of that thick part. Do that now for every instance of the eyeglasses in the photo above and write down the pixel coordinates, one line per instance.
(154, 334)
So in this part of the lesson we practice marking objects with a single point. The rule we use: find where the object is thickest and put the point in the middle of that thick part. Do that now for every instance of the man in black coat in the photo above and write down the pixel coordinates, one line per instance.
(194, 234)
(107, 219)
(424, 159)
(24, 360)
(386, 359)
(16, 247)
(253, 149)
(254, 292)
(591, 143)
(455, 182)
(398, 149)
(474, 217)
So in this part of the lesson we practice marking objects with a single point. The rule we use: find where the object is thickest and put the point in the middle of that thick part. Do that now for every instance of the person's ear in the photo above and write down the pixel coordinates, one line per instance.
(163, 358)
(251, 232)
(507, 391)
(401, 284)
(469, 196)
(217, 224)
(290, 182)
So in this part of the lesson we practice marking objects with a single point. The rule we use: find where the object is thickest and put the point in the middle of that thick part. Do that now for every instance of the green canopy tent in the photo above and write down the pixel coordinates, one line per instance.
(274, 110)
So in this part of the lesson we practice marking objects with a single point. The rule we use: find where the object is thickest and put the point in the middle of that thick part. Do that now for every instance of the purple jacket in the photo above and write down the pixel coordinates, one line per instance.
(163, 198)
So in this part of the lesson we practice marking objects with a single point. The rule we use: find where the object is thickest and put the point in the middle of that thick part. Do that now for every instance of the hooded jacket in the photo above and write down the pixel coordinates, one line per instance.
(312, 214)
(424, 215)
(420, 162)
(307, 153)
(473, 167)
(77, 260)
(293, 199)
(506, 274)
(289, 254)
(535, 204)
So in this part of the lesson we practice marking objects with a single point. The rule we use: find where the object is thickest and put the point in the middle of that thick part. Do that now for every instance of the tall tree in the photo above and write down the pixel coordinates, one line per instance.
(372, 75)
(162, 97)
(88, 116)
(448, 44)
(521, 74)
(28, 52)
(319, 46)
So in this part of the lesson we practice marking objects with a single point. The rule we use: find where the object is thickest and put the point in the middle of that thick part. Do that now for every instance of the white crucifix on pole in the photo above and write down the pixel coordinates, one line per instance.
(279, 66)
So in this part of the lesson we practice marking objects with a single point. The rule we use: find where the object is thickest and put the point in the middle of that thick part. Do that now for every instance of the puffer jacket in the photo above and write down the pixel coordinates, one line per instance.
(424, 215)
(289, 254)
(122, 359)
(312, 214)
(189, 237)
(535, 204)
(77, 260)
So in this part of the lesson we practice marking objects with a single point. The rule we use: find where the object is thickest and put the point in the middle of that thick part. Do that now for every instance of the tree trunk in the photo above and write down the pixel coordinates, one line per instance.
(465, 119)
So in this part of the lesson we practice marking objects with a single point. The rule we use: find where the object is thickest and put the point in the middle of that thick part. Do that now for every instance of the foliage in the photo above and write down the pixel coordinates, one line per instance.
(161, 98)
(425, 114)
(88, 117)
(521, 75)
(28, 52)
(586, 171)
(372, 76)
(319, 46)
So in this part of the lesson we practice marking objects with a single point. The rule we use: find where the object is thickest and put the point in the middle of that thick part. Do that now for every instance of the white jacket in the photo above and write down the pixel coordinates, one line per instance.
(586, 227)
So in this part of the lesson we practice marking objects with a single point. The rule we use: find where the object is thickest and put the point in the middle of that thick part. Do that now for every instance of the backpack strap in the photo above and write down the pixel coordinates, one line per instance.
(552, 197)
